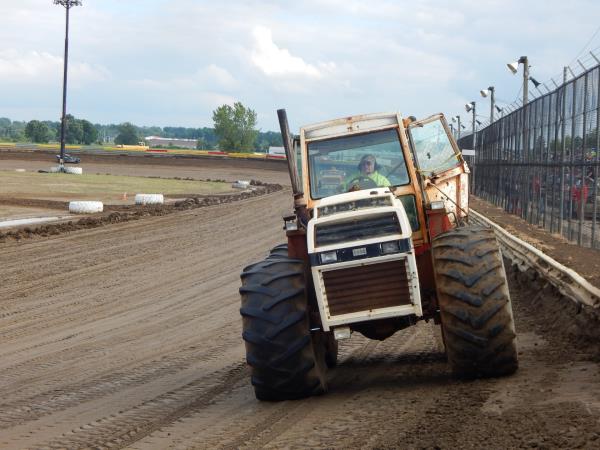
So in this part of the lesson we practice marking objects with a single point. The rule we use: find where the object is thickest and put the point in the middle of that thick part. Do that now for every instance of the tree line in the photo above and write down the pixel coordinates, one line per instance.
(234, 130)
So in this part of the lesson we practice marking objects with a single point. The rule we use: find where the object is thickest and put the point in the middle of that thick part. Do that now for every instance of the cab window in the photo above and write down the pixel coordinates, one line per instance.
(433, 149)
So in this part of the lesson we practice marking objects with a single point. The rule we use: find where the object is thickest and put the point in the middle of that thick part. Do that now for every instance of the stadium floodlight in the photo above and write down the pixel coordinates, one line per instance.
(68, 4)
(513, 66)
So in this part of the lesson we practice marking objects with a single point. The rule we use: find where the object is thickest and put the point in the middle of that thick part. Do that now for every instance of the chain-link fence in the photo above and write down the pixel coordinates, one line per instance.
(541, 161)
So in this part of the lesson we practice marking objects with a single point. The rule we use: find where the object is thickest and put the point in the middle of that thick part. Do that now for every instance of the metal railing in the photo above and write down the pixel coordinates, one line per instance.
(541, 161)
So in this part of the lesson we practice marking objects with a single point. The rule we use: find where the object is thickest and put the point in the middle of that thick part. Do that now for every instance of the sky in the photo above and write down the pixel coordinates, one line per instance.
(171, 63)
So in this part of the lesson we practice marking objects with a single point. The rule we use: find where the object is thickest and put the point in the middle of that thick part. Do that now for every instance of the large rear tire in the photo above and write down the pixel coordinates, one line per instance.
(287, 362)
(476, 312)
(279, 250)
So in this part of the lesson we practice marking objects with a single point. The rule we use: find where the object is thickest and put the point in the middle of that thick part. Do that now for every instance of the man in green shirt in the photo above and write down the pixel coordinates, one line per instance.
(367, 175)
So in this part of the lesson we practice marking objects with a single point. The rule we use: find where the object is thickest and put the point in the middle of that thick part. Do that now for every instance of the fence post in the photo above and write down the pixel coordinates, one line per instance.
(595, 190)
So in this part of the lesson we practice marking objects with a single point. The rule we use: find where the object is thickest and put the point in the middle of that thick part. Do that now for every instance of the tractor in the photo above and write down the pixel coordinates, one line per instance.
(379, 239)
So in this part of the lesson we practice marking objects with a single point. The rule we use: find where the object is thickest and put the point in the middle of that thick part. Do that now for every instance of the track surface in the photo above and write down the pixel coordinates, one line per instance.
(128, 336)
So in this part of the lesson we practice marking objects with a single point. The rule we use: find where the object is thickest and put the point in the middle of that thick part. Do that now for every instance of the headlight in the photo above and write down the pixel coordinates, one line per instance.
(328, 257)
(389, 247)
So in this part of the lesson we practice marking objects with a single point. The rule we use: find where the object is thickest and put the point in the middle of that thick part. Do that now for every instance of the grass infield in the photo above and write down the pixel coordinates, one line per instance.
(106, 188)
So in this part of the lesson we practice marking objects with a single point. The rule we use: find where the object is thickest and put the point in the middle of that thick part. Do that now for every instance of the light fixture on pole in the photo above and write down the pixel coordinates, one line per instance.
(536, 84)
(513, 67)
(459, 125)
(491, 92)
(68, 4)
(470, 107)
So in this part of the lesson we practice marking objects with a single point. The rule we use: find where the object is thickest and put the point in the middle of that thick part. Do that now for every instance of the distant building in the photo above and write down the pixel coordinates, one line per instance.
(153, 141)
(276, 151)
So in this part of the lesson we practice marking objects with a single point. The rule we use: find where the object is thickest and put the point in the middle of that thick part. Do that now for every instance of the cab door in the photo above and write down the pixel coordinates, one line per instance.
(443, 172)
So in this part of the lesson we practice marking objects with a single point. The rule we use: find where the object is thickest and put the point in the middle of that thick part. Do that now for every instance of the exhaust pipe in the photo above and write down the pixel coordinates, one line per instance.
(289, 153)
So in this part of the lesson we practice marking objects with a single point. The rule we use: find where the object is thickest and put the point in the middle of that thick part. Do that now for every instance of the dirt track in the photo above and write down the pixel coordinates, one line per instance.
(128, 336)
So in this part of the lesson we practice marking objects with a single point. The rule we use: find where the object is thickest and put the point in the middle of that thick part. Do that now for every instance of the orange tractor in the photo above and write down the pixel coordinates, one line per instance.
(379, 240)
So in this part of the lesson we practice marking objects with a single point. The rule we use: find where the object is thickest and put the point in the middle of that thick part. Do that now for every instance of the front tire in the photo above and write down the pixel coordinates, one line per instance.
(286, 360)
(474, 301)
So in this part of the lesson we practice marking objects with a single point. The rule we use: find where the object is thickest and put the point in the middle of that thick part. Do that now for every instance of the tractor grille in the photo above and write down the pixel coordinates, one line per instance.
(367, 287)
(356, 230)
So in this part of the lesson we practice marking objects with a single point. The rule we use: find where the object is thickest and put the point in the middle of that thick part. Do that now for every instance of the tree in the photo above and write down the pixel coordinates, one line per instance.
(37, 131)
(127, 135)
(90, 133)
(234, 127)
(4, 126)
(73, 131)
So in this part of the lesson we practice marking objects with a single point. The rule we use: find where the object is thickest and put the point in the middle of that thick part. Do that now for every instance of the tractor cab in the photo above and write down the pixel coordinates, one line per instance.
(417, 161)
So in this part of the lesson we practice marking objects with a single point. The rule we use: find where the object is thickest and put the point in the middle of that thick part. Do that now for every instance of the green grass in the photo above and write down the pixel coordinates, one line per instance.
(58, 186)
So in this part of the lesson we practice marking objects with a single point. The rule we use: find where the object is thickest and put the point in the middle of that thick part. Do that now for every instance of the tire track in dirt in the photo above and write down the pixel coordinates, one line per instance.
(122, 429)
(313, 422)
(39, 393)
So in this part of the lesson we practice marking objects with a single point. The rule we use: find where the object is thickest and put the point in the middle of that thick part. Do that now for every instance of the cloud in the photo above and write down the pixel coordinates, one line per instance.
(274, 61)
(219, 76)
(211, 78)
(15, 66)
(45, 68)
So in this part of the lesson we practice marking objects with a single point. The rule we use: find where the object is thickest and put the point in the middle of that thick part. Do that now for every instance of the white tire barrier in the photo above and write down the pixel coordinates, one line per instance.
(86, 207)
(19, 170)
(54, 169)
(74, 170)
(149, 199)
(241, 184)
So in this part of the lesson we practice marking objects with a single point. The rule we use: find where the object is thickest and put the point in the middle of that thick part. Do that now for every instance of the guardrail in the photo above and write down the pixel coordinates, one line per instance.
(525, 256)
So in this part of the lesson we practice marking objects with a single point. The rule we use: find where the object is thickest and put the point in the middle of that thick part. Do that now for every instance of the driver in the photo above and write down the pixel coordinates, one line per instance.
(367, 175)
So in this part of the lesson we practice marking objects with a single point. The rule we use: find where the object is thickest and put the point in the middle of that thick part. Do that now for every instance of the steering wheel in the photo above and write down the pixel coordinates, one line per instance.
(362, 182)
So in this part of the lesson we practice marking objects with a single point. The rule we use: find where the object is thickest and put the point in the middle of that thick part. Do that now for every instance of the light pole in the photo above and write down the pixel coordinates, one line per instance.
(471, 107)
(459, 126)
(490, 91)
(513, 66)
(68, 4)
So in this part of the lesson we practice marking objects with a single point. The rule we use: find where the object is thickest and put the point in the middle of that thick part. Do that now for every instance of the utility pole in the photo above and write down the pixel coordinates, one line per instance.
(458, 119)
(68, 4)
(473, 124)
(525, 62)
(492, 103)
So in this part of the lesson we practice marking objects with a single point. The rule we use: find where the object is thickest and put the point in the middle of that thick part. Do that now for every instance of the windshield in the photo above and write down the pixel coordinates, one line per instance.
(363, 161)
